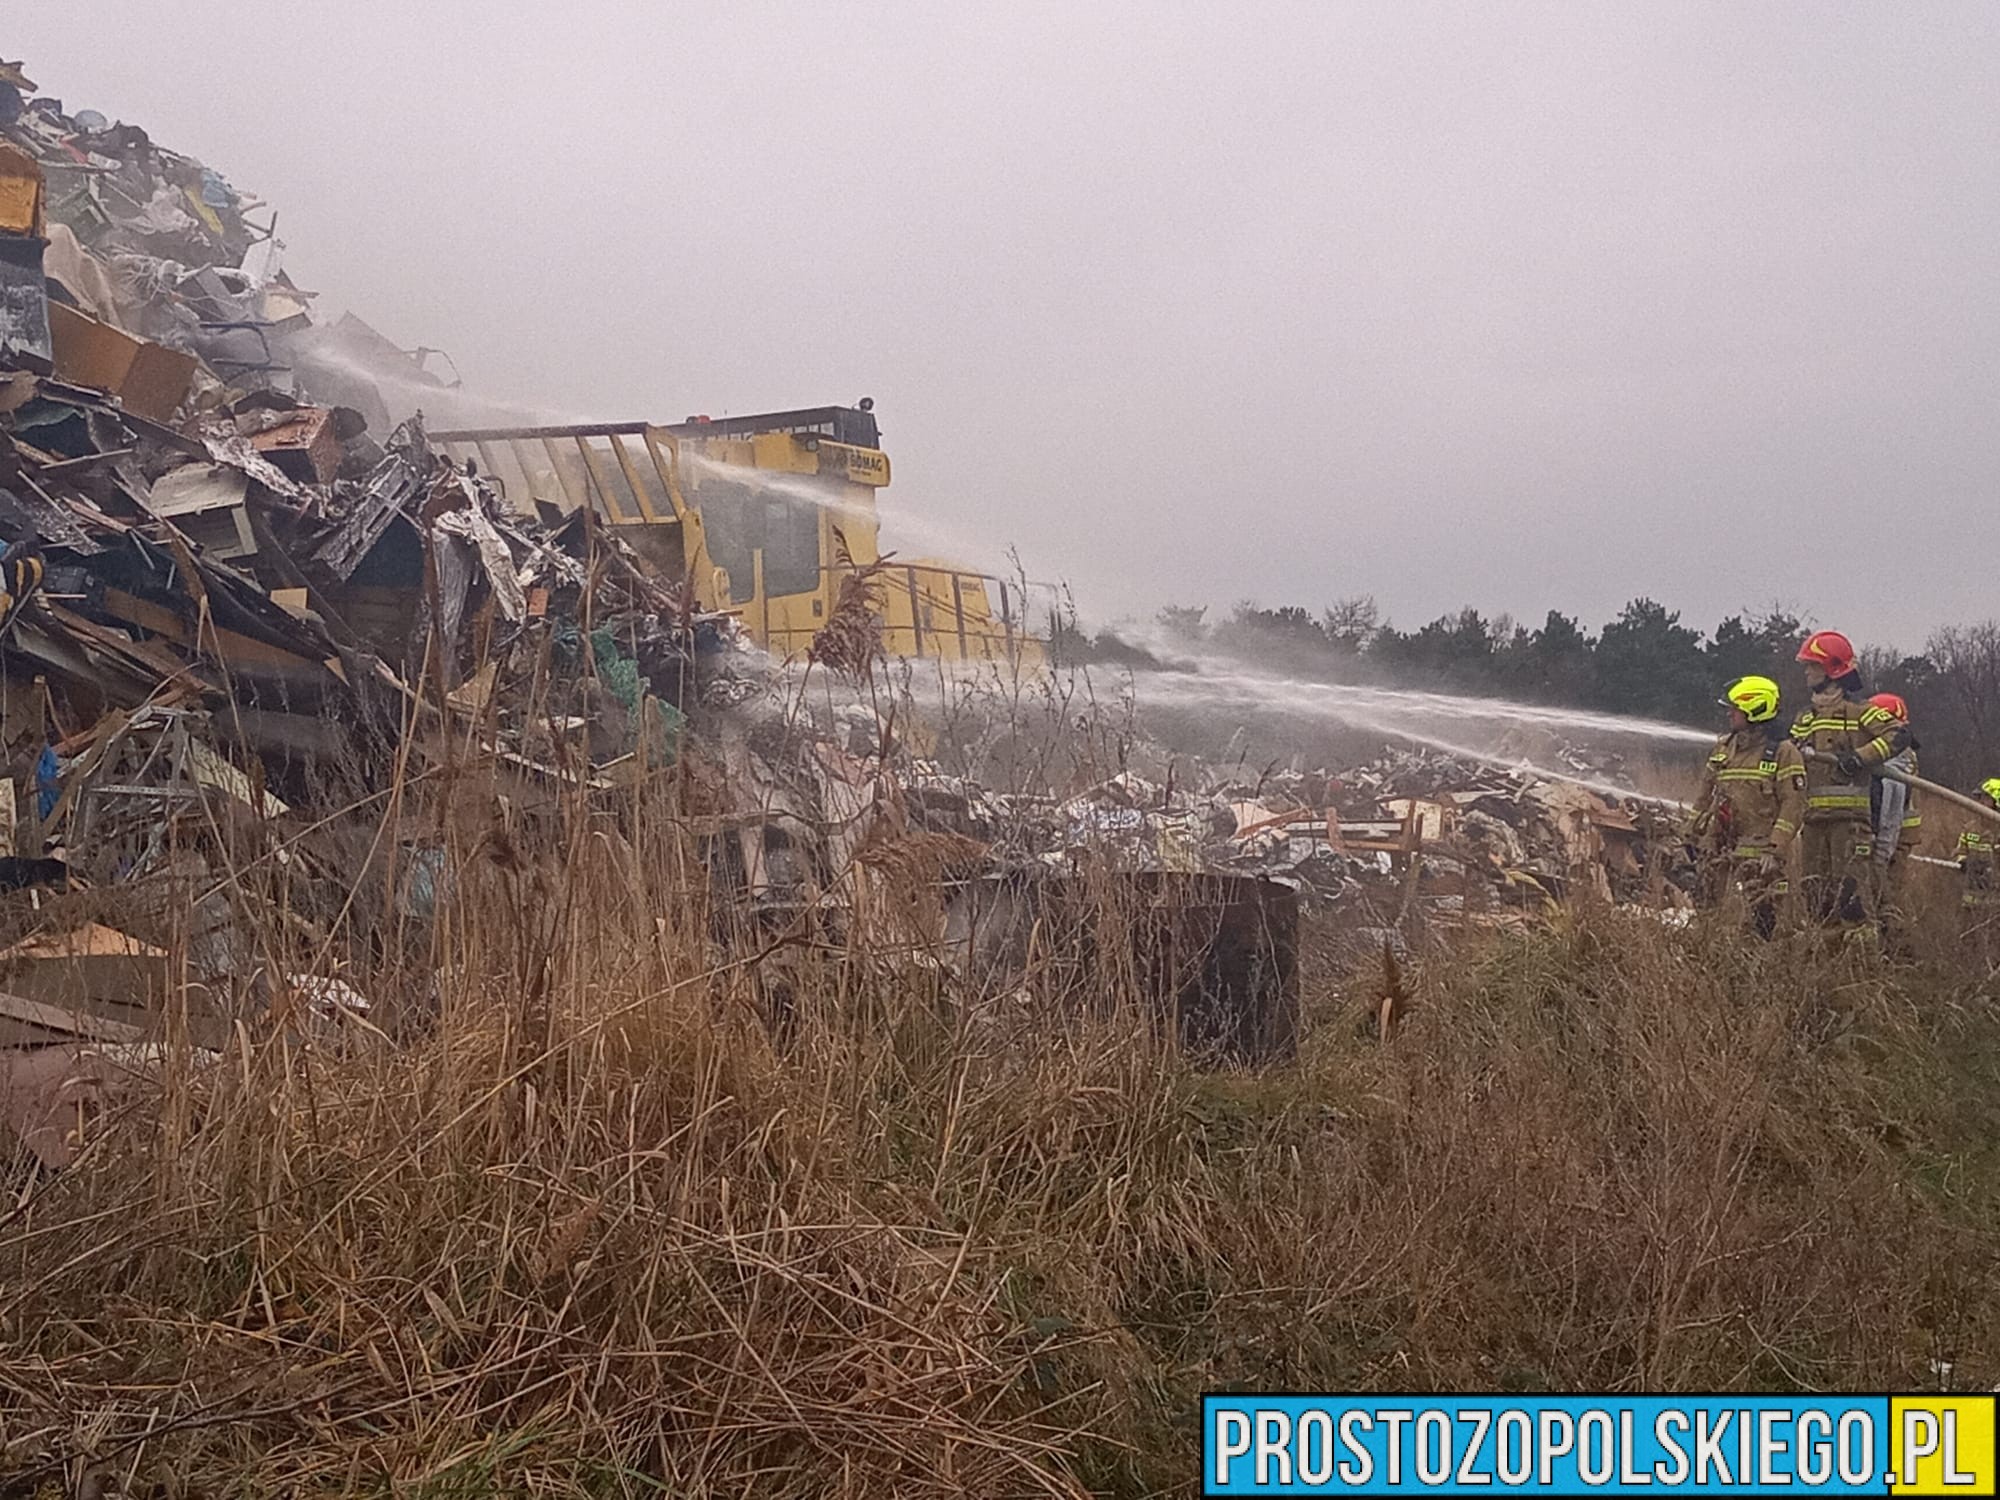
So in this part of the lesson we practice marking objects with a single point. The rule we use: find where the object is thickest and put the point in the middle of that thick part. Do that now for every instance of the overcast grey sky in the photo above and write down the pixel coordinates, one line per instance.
(1505, 304)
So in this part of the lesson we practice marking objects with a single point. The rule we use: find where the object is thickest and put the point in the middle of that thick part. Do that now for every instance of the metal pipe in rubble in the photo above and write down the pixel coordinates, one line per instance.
(1985, 810)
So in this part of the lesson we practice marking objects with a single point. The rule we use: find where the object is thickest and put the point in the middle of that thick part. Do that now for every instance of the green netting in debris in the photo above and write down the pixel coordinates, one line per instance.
(615, 669)
(620, 673)
(672, 724)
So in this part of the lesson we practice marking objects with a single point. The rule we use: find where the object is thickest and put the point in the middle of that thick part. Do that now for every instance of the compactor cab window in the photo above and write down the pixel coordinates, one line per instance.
(856, 427)
(739, 518)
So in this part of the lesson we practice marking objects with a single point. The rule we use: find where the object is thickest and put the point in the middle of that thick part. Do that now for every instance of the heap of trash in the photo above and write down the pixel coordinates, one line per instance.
(219, 508)
(243, 595)
(1451, 835)
(241, 590)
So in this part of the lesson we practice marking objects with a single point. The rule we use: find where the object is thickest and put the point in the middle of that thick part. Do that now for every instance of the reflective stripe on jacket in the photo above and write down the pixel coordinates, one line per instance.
(1752, 796)
(1838, 721)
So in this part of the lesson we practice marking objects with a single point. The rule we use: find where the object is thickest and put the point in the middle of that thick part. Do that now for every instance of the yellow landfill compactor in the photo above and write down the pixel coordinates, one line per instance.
(765, 513)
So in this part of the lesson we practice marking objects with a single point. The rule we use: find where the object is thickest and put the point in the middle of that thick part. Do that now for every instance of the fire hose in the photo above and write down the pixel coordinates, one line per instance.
(1985, 810)
(1932, 859)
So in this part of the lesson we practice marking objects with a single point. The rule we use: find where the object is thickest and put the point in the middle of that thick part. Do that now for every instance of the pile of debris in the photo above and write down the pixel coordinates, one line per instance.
(139, 271)
(221, 501)
(242, 592)
(1205, 878)
(1463, 836)
(1515, 827)
(235, 594)
(184, 567)
(250, 598)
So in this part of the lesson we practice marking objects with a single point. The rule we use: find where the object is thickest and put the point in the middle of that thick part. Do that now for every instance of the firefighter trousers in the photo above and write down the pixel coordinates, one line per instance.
(1753, 896)
(1837, 862)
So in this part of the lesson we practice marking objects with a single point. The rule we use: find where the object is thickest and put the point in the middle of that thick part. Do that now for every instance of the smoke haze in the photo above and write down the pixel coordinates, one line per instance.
(1515, 306)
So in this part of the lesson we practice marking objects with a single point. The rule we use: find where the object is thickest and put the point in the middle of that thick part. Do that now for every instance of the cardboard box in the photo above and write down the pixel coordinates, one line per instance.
(151, 380)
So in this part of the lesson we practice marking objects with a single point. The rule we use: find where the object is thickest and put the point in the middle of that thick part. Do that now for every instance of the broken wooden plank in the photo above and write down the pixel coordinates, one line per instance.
(25, 1022)
(231, 645)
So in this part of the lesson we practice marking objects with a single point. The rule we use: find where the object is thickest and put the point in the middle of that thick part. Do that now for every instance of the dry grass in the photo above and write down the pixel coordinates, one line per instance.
(587, 1229)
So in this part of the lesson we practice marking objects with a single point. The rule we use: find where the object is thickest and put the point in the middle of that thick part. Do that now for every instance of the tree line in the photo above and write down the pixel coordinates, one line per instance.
(1646, 662)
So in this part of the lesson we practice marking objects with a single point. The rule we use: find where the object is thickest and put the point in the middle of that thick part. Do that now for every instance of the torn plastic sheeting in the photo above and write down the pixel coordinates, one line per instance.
(83, 276)
(548, 566)
(1497, 841)
(495, 560)
(228, 292)
(263, 261)
(454, 560)
(853, 802)
(204, 210)
(429, 875)
(162, 214)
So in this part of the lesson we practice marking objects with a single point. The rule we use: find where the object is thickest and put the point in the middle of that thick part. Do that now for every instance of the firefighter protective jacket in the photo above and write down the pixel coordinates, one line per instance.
(1839, 721)
(1753, 792)
(1978, 856)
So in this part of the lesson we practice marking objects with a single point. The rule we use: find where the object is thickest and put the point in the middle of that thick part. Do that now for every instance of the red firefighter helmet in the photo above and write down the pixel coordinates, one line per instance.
(1830, 651)
(1890, 703)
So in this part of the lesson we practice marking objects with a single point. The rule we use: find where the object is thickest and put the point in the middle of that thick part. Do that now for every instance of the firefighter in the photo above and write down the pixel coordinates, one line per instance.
(1843, 737)
(1893, 812)
(1979, 854)
(1751, 802)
